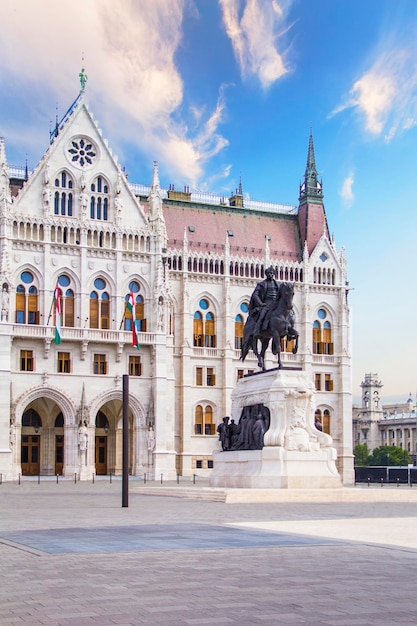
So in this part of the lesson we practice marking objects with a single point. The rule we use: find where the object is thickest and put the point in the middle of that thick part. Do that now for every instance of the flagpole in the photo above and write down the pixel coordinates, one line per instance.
(50, 310)
(124, 315)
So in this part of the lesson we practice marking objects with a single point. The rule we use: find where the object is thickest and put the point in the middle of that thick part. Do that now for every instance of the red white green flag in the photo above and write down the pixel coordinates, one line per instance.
(131, 306)
(58, 314)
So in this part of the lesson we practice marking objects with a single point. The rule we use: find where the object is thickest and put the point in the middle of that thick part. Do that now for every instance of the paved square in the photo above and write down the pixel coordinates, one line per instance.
(72, 556)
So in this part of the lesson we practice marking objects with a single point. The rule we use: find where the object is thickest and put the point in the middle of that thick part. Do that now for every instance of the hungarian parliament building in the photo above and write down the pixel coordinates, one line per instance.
(91, 264)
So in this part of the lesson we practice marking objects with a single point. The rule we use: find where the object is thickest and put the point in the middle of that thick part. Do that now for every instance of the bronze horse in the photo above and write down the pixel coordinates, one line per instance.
(279, 323)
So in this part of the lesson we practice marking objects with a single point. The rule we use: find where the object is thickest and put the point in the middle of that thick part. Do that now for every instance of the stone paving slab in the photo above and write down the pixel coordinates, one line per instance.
(152, 537)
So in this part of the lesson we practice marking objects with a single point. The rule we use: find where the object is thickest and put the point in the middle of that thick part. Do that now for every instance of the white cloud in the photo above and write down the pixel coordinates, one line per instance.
(253, 34)
(386, 94)
(346, 192)
(134, 86)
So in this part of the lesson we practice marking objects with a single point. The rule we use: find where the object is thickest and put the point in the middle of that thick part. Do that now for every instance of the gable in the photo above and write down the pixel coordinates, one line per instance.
(78, 177)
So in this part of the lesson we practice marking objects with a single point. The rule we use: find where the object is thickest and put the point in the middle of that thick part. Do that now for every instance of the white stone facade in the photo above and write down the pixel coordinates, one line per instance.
(77, 222)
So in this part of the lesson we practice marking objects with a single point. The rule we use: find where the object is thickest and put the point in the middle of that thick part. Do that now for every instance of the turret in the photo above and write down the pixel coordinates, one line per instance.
(311, 214)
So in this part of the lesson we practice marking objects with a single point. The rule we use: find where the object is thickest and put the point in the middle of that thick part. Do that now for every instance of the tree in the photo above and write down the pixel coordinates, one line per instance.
(389, 455)
(361, 453)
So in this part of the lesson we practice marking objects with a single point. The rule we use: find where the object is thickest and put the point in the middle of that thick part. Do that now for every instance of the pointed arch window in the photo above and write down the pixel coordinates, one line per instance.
(317, 337)
(27, 306)
(99, 199)
(210, 331)
(323, 418)
(68, 301)
(327, 338)
(322, 334)
(140, 317)
(238, 332)
(64, 195)
(198, 329)
(100, 305)
(204, 330)
(32, 418)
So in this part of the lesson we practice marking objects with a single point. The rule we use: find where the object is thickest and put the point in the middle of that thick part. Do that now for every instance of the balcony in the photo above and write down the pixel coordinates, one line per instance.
(34, 331)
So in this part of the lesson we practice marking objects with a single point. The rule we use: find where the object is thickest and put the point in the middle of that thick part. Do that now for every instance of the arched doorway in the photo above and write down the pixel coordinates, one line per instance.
(45, 436)
(108, 439)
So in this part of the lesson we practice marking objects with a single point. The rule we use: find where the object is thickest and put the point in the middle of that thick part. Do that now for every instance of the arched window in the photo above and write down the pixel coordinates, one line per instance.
(204, 330)
(322, 420)
(238, 332)
(63, 197)
(322, 334)
(203, 420)
(326, 421)
(140, 318)
(99, 199)
(198, 329)
(32, 418)
(27, 310)
(210, 331)
(59, 421)
(327, 338)
(68, 300)
(100, 305)
(102, 421)
(317, 338)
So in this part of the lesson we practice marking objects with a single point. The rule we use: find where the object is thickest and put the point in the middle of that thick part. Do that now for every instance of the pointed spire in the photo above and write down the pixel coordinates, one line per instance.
(3, 158)
(5, 193)
(312, 189)
(267, 251)
(311, 159)
(240, 190)
(155, 176)
(83, 397)
(156, 213)
(305, 252)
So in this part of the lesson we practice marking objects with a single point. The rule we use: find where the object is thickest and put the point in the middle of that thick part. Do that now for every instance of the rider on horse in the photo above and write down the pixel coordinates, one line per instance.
(265, 294)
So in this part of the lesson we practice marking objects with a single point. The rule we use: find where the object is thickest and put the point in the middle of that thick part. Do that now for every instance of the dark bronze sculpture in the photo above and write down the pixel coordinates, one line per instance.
(249, 433)
(271, 316)
(224, 433)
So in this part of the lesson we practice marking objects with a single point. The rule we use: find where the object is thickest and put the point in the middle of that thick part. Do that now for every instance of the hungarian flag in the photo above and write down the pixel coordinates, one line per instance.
(132, 308)
(58, 313)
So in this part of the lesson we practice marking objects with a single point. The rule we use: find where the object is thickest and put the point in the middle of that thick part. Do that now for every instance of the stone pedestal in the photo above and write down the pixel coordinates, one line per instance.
(296, 455)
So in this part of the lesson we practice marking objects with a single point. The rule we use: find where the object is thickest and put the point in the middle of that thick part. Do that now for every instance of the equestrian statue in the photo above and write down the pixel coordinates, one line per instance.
(271, 316)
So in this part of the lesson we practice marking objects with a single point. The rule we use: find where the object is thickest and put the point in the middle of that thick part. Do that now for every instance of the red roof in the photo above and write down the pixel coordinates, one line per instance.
(207, 227)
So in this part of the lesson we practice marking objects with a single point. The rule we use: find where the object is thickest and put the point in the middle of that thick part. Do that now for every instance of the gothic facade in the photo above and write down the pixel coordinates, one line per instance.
(189, 262)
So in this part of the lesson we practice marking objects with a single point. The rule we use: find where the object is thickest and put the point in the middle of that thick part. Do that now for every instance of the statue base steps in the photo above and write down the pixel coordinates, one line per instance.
(295, 455)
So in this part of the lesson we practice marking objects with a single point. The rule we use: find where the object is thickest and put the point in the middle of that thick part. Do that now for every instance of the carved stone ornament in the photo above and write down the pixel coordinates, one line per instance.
(82, 152)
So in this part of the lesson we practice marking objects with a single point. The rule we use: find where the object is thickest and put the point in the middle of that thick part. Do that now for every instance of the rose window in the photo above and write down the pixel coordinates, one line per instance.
(82, 152)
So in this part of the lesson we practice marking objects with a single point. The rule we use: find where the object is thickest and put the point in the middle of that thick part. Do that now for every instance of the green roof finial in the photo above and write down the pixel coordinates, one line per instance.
(83, 79)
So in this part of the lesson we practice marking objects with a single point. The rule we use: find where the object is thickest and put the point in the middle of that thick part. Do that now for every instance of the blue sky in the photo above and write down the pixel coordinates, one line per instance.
(217, 89)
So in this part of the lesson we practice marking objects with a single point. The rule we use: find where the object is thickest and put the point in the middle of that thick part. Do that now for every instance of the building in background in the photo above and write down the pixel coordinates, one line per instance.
(91, 265)
(376, 424)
